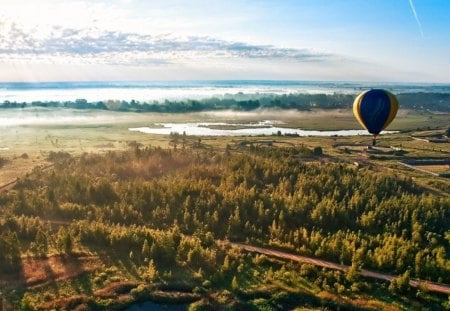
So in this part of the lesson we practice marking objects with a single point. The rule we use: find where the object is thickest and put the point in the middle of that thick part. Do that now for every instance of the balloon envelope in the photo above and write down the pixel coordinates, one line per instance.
(375, 109)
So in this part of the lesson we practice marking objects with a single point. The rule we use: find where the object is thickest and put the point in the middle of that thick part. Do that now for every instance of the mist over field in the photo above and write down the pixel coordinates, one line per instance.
(197, 96)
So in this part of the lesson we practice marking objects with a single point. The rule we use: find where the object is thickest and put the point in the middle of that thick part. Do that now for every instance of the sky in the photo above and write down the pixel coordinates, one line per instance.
(136, 40)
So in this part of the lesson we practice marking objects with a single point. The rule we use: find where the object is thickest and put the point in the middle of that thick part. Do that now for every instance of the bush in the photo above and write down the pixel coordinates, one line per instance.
(140, 293)
(400, 284)
(318, 151)
(3, 161)
(58, 156)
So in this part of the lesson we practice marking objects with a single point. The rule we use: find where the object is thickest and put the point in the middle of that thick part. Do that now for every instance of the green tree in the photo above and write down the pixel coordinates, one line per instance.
(152, 271)
(400, 284)
(64, 241)
(226, 264)
(174, 139)
(317, 151)
(41, 243)
(234, 284)
(403, 282)
(145, 250)
(9, 252)
(354, 272)
(67, 243)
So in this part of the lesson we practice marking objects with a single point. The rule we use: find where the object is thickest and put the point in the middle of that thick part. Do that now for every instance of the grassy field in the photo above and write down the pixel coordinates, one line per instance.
(438, 169)
(24, 147)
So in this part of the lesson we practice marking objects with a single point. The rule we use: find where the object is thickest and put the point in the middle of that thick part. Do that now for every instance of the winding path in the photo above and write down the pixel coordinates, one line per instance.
(7, 186)
(430, 286)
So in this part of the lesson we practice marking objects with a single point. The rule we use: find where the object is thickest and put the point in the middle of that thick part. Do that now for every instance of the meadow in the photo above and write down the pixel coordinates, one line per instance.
(100, 134)
(101, 217)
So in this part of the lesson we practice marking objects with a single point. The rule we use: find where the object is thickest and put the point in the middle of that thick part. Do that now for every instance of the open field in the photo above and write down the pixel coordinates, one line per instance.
(41, 271)
(25, 147)
(438, 169)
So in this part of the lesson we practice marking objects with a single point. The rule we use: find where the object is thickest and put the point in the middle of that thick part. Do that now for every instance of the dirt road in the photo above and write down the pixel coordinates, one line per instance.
(432, 287)
(7, 186)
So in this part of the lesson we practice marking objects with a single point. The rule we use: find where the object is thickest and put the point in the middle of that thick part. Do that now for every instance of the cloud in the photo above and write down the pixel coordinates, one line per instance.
(128, 48)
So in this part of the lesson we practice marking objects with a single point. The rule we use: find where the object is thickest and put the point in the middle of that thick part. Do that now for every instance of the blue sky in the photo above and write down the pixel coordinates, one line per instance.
(341, 40)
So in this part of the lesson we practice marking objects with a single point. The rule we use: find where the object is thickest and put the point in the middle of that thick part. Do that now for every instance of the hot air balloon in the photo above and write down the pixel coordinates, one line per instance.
(374, 110)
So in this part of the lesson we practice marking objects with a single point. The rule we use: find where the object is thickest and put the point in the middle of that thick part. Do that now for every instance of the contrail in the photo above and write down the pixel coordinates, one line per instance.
(411, 4)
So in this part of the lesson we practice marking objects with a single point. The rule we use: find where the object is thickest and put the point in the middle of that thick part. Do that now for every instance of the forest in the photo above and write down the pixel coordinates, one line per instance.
(420, 101)
(165, 211)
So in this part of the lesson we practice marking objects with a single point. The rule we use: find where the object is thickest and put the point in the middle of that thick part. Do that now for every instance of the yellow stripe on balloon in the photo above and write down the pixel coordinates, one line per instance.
(356, 109)
(394, 109)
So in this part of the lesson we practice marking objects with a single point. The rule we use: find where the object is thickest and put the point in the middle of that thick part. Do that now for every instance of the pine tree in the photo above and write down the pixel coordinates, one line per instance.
(41, 243)
(226, 264)
(354, 271)
(145, 250)
(152, 271)
(67, 243)
(234, 284)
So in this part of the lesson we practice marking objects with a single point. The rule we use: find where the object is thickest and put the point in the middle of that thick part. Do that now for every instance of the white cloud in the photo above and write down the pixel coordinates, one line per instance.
(94, 45)
(173, 39)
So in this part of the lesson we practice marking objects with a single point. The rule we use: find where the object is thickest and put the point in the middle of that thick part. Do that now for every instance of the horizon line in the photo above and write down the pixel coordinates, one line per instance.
(225, 80)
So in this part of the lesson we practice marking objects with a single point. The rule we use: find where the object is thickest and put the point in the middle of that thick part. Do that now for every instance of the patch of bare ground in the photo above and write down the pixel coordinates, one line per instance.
(41, 271)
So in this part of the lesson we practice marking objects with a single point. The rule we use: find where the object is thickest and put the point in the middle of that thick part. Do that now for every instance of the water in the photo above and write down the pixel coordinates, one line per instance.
(179, 90)
(218, 123)
(157, 307)
(250, 129)
(58, 116)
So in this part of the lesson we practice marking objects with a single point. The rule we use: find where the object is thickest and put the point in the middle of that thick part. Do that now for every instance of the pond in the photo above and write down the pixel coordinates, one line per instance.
(149, 305)
(250, 129)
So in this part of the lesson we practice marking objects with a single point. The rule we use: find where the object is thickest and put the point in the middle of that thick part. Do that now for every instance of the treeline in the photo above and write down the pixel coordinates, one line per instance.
(265, 196)
(417, 101)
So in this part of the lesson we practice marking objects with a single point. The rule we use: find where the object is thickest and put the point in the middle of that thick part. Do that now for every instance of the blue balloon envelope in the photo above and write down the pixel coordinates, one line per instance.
(375, 110)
